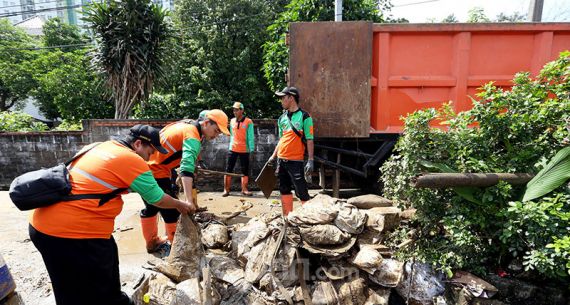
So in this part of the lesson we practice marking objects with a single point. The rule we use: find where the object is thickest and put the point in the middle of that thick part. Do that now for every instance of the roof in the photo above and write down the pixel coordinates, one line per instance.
(32, 25)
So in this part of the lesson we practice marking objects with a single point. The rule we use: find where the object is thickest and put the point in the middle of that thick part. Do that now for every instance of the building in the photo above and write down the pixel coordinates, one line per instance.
(69, 11)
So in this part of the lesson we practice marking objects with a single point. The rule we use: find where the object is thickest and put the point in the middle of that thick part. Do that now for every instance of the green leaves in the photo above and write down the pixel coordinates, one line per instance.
(275, 52)
(509, 131)
(556, 172)
(132, 38)
(18, 121)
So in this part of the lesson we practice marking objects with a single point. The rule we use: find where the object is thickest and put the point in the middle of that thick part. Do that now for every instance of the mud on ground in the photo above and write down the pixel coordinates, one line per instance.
(29, 272)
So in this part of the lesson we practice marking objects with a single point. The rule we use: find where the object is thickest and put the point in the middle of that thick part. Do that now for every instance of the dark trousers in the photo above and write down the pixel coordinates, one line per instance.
(243, 162)
(82, 271)
(291, 174)
(169, 215)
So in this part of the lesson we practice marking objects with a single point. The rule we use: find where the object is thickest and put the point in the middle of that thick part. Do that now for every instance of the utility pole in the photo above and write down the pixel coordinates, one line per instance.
(535, 10)
(337, 10)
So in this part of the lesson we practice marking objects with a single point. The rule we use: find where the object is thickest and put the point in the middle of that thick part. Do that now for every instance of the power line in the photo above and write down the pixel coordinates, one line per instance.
(40, 10)
(20, 5)
(414, 3)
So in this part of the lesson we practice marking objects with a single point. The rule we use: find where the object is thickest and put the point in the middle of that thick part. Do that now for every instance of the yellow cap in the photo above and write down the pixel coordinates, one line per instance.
(238, 105)
(220, 118)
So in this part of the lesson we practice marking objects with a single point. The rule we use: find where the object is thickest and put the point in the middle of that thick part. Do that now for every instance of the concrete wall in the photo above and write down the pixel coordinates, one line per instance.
(21, 152)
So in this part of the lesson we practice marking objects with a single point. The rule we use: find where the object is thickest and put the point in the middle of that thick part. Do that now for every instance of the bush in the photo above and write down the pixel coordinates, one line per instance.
(18, 121)
(512, 131)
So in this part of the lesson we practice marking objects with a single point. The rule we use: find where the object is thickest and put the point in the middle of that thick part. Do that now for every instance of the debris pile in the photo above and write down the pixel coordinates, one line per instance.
(329, 251)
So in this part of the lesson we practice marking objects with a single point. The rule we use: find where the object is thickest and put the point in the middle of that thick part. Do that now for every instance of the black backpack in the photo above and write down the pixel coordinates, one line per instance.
(47, 186)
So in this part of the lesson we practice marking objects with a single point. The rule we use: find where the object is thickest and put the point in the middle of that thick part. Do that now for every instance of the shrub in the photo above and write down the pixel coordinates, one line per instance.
(512, 131)
(18, 121)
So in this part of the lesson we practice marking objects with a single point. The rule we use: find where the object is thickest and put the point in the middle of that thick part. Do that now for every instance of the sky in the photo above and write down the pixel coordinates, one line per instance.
(417, 11)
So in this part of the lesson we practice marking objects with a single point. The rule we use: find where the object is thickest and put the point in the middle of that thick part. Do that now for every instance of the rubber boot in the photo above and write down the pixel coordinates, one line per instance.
(227, 185)
(149, 228)
(170, 229)
(287, 203)
(244, 182)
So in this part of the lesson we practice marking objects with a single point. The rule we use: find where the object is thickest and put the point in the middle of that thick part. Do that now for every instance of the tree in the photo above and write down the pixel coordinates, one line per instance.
(477, 14)
(275, 56)
(68, 88)
(15, 50)
(450, 19)
(514, 17)
(58, 33)
(132, 39)
(218, 59)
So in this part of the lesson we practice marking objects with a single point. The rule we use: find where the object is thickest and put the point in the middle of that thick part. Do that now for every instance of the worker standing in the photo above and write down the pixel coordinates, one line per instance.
(242, 143)
(295, 135)
(183, 141)
(74, 237)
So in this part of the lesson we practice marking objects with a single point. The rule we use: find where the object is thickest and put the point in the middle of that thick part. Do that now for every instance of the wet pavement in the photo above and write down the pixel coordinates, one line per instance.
(28, 269)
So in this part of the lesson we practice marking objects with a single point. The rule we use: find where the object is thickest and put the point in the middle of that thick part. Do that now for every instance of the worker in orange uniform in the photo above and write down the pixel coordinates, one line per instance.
(242, 143)
(295, 135)
(74, 237)
(183, 141)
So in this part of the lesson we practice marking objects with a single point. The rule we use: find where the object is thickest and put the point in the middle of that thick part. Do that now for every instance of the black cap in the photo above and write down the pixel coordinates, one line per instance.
(149, 134)
(288, 91)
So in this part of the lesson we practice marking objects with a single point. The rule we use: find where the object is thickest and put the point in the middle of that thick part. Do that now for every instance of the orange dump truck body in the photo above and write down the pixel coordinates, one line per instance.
(358, 79)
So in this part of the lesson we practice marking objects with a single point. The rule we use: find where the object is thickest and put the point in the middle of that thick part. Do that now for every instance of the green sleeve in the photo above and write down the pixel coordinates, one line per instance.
(279, 127)
(231, 137)
(147, 187)
(308, 128)
(250, 138)
(190, 152)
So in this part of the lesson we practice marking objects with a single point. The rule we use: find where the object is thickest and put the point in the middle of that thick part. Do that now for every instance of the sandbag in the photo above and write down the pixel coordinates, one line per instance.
(259, 259)
(383, 219)
(319, 210)
(215, 235)
(244, 238)
(350, 219)
(324, 293)
(351, 291)
(186, 253)
(338, 269)
(333, 251)
(367, 259)
(187, 292)
(370, 201)
(323, 235)
(161, 290)
(379, 296)
(226, 269)
(388, 274)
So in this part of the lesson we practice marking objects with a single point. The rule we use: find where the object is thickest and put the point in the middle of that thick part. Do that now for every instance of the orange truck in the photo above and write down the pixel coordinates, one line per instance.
(357, 79)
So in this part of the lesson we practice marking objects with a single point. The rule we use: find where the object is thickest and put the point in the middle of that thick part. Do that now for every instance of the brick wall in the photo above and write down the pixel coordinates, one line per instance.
(21, 152)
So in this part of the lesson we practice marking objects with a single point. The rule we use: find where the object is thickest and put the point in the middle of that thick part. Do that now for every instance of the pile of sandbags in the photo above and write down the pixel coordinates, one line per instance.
(328, 251)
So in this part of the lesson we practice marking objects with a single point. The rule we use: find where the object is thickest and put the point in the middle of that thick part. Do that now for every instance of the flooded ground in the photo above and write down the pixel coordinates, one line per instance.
(27, 267)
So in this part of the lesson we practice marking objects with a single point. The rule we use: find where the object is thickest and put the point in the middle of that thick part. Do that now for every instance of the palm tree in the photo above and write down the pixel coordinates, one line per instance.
(131, 44)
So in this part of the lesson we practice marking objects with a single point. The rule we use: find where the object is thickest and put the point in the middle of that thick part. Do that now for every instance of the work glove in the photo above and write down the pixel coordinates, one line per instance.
(202, 165)
(308, 170)
(309, 167)
(271, 161)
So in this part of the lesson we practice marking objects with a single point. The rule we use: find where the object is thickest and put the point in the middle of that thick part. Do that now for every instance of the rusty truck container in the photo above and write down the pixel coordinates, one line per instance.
(357, 79)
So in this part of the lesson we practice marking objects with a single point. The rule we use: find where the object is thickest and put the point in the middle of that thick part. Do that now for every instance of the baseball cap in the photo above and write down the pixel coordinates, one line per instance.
(288, 91)
(149, 134)
(202, 114)
(238, 105)
(220, 118)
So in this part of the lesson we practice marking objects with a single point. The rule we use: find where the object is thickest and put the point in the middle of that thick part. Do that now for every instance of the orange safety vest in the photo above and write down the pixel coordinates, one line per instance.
(106, 167)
